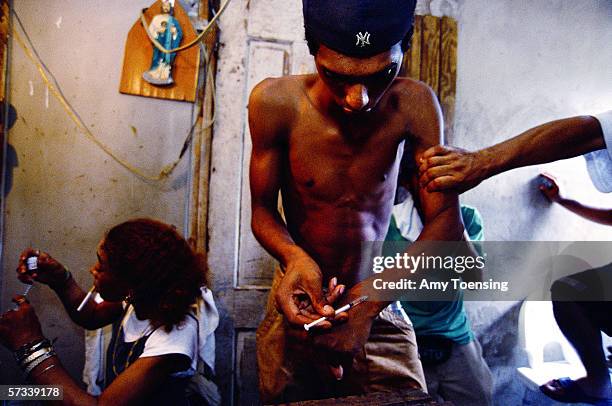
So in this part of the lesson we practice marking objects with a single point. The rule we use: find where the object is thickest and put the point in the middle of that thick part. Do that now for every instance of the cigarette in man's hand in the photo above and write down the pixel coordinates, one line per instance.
(86, 298)
(337, 312)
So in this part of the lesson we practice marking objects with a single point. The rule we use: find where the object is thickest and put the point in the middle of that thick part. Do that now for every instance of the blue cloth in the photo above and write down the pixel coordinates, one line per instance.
(599, 163)
(358, 28)
(166, 39)
(447, 318)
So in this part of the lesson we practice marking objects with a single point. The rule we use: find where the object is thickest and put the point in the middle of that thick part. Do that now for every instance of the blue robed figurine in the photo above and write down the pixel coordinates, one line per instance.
(167, 31)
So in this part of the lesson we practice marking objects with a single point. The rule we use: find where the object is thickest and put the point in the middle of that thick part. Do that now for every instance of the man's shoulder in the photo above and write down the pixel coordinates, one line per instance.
(410, 98)
(418, 106)
(413, 91)
(281, 92)
(272, 106)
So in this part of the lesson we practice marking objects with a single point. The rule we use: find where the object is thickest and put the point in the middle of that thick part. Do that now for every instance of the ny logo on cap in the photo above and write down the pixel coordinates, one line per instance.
(363, 39)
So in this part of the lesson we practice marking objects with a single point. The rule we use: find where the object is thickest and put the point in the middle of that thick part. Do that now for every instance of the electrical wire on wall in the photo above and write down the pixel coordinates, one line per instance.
(56, 90)
(196, 40)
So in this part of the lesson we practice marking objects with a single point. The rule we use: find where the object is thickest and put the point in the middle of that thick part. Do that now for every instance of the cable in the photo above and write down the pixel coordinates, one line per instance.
(73, 114)
(188, 45)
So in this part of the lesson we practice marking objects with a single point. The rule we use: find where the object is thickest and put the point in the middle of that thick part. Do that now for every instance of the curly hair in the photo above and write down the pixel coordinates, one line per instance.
(162, 268)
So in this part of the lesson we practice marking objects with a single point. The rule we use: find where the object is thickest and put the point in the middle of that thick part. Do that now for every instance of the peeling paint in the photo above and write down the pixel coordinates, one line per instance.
(31, 87)
(58, 23)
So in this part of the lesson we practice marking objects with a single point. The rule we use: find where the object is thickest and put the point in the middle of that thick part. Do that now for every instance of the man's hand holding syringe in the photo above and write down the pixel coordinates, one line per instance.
(331, 294)
(321, 330)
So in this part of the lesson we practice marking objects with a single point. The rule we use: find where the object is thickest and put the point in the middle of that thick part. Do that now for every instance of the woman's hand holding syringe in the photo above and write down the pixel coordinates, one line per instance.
(46, 270)
(90, 314)
(37, 266)
(31, 265)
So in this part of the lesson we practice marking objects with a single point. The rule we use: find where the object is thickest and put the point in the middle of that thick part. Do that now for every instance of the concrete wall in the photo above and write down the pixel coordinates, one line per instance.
(521, 63)
(65, 191)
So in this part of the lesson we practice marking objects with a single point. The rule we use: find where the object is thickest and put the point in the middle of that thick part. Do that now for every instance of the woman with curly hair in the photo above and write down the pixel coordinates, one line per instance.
(153, 288)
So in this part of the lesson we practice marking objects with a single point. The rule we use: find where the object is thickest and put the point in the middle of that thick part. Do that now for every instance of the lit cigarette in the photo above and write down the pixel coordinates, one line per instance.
(86, 298)
(338, 311)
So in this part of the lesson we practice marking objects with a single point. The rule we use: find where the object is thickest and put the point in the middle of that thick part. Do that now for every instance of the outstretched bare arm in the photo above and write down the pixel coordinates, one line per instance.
(448, 168)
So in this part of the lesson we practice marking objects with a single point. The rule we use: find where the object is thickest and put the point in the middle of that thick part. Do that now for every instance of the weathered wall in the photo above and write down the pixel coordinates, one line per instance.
(65, 191)
(521, 63)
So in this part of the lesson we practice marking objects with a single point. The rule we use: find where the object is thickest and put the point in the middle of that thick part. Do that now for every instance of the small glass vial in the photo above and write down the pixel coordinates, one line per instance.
(32, 263)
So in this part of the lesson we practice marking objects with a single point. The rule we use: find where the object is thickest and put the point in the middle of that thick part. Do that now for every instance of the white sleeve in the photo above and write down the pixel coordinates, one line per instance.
(599, 163)
(605, 120)
(180, 340)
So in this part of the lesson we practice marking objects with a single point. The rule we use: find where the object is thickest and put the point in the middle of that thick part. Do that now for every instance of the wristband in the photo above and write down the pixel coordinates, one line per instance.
(29, 348)
(34, 356)
(67, 277)
(37, 362)
(44, 370)
(26, 346)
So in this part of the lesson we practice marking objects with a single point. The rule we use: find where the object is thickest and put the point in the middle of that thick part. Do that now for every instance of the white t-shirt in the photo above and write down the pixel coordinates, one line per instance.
(599, 163)
(180, 340)
(177, 341)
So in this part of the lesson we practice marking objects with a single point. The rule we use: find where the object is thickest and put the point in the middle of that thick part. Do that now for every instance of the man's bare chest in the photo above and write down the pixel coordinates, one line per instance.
(332, 163)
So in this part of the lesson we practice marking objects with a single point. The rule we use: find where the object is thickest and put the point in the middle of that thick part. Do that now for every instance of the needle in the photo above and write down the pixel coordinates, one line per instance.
(338, 311)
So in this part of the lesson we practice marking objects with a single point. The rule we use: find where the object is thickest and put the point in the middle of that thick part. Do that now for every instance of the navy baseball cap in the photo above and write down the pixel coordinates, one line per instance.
(358, 28)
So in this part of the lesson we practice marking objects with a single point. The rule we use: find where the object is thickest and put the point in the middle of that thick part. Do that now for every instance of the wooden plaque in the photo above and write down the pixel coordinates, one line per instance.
(432, 58)
(138, 55)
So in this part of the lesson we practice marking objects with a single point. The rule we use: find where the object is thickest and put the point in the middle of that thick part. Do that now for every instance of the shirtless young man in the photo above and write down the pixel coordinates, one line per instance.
(332, 143)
